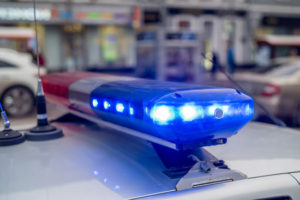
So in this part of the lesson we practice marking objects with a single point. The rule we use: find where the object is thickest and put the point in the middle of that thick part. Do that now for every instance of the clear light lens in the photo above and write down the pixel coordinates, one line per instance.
(95, 103)
(190, 112)
(131, 111)
(120, 107)
(162, 114)
(106, 105)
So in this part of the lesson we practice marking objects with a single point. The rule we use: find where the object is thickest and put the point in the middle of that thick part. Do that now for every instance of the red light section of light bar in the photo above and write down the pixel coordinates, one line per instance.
(56, 86)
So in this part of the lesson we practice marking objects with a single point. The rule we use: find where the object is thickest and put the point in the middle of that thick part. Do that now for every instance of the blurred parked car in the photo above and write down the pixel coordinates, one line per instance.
(276, 87)
(17, 82)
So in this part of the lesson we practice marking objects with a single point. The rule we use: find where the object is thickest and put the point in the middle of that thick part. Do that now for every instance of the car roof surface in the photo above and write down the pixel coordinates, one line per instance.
(90, 162)
(261, 149)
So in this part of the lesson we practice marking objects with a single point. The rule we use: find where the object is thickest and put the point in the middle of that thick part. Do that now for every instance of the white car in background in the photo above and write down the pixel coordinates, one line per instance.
(276, 87)
(18, 79)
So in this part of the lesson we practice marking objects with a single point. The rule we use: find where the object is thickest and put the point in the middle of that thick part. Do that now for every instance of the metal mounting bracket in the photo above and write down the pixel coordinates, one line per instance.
(207, 170)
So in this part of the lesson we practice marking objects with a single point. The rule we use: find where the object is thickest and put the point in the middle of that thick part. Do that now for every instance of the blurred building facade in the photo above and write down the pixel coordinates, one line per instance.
(75, 34)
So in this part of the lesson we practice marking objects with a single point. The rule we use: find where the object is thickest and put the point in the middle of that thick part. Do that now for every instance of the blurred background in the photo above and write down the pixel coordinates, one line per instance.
(256, 42)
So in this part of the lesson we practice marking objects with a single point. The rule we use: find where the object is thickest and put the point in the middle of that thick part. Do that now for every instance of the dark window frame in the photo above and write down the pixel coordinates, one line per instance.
(6, 64)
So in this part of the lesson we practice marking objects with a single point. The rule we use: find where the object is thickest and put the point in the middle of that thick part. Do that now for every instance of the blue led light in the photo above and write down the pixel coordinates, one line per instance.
(248, 110)
(106, 105)
(95, 103)
(131, 111)
(184, 115)
(120, 107)
(162, 114)
(211, 109)
(96, 173)
(190, 112)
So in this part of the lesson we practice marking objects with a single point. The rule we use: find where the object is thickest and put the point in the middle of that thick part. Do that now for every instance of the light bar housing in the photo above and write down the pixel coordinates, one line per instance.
(185, 115)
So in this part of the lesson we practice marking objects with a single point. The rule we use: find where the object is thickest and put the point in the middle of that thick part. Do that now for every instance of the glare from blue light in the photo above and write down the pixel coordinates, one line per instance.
(96, 172)
(120, 107)
(248, 110)
(162, 114)
(211, 109)
(117, 187)
(95, 103)
(189, 112)
(106, 105)
(131, 111)
(225, 109)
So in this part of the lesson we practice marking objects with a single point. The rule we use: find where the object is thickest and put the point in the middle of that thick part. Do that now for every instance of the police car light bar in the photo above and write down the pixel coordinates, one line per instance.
(176, 115)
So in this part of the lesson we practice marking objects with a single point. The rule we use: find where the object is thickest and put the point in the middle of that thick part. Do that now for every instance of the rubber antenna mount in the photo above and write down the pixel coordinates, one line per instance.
(43, 130)
(10, 137)
(7, 135)
(41, 133)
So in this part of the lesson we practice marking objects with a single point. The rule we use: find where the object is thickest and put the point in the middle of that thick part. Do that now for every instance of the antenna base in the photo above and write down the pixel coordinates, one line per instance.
(10, 137)
(42, 133)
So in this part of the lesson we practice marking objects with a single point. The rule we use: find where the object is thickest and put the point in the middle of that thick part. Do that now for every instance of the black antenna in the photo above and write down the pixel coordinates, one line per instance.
(7, 135)
(277, 121)
(43, 130)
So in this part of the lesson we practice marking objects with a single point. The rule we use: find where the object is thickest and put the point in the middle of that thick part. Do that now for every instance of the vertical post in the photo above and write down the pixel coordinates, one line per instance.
(197, 58)
(161, 44)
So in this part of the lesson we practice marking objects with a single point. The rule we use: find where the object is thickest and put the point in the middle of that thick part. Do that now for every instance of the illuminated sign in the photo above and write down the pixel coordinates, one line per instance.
(101, 16)
(109, 44)
(48, 14)
(26, 14)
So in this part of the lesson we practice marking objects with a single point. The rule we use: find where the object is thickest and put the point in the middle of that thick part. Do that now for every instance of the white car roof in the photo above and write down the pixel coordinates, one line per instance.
(96, 163)
(13, 56)
(261, 150)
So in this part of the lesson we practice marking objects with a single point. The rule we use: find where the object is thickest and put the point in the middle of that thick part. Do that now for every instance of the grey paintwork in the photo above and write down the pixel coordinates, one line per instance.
(96, 163)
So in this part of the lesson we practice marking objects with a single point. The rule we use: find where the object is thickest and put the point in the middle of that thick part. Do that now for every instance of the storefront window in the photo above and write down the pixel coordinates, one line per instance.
(117, 47)
(109, 44)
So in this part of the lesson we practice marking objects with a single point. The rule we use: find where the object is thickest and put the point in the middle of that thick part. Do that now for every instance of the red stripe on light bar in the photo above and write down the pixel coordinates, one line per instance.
(56, 86)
